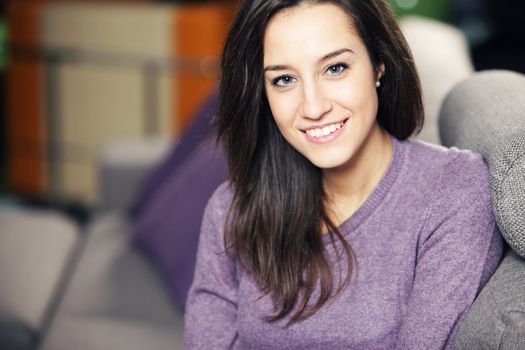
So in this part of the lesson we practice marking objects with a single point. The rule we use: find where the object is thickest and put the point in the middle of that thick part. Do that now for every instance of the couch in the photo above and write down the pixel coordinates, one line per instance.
(64, 286)
(486, 113)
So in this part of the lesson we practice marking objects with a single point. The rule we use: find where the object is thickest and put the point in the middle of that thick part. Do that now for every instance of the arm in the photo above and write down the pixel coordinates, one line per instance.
(211, 307)
(459, 249)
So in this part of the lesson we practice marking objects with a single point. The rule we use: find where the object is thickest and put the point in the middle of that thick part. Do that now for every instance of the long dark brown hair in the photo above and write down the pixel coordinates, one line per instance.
(278, 207)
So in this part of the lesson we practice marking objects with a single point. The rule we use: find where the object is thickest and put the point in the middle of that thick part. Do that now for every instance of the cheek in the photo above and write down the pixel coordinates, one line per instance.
(356, 95)
(283, 109)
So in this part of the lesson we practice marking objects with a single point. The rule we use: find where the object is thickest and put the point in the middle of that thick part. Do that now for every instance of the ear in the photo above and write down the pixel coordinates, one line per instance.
(380, 71)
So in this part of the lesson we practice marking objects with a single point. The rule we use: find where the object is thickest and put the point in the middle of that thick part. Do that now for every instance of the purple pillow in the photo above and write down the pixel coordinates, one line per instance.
(168, 227)
(189, 140)
(168, 212)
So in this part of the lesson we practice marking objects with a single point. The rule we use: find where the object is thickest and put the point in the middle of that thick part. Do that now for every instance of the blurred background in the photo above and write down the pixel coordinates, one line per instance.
(75, 76)
(102, 106)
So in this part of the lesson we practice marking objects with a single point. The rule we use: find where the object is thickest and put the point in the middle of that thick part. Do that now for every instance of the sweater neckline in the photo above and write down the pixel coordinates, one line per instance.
(375, 199)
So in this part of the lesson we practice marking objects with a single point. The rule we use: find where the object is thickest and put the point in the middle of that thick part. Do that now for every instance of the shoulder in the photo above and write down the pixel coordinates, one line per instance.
(219, 202)
(456, 186)
(211, 236)
(437, 156)
(452, 184)
(443, 169)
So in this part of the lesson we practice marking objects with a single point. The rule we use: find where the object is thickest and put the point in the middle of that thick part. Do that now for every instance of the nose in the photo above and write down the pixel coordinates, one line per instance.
(315, 102)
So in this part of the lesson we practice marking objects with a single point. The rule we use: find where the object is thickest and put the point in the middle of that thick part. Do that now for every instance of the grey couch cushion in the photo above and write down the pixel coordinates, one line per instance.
(486, 113)
(36, 246)
(496, 320)
(116, 299)
(95, 332)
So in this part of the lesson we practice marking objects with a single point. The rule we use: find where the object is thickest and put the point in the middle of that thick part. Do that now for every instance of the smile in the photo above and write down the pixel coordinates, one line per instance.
(324, 131)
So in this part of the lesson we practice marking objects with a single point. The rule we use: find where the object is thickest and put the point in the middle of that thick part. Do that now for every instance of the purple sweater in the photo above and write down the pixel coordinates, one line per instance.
(425, 242)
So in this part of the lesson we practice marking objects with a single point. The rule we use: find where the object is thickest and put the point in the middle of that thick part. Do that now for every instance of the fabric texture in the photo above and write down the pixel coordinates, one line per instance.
(425, 242)
(486, 114)
(496, 320)
(168, 214)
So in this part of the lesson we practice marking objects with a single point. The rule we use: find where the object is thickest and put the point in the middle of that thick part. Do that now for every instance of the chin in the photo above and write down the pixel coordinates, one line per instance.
(331, 162)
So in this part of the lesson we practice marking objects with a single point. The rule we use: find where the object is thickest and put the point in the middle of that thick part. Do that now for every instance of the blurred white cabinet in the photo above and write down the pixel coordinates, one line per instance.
(121, 72)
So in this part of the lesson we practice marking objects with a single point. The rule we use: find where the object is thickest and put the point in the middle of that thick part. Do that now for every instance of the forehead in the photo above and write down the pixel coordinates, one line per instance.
(309, 30)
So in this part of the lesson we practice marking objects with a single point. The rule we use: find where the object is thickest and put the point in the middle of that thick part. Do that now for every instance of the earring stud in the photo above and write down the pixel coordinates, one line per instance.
(378, 83)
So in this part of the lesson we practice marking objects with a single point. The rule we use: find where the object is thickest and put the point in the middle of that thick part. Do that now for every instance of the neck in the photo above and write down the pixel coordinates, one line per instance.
(349, 186)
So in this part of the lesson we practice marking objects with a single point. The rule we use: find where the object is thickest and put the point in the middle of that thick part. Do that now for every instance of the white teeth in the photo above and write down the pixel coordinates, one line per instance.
(327, 130)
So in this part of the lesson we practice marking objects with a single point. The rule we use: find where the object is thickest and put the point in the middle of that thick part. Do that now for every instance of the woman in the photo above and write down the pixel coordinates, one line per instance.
(335, 231)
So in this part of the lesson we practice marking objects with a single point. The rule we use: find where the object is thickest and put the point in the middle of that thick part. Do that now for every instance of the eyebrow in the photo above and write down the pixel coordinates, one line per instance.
(324, 58)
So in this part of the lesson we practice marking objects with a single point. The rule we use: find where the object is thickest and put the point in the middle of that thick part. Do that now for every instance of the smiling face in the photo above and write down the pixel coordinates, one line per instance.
(321, 84)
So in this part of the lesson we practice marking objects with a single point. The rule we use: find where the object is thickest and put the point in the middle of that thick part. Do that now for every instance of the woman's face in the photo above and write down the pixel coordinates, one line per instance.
(320, 83)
